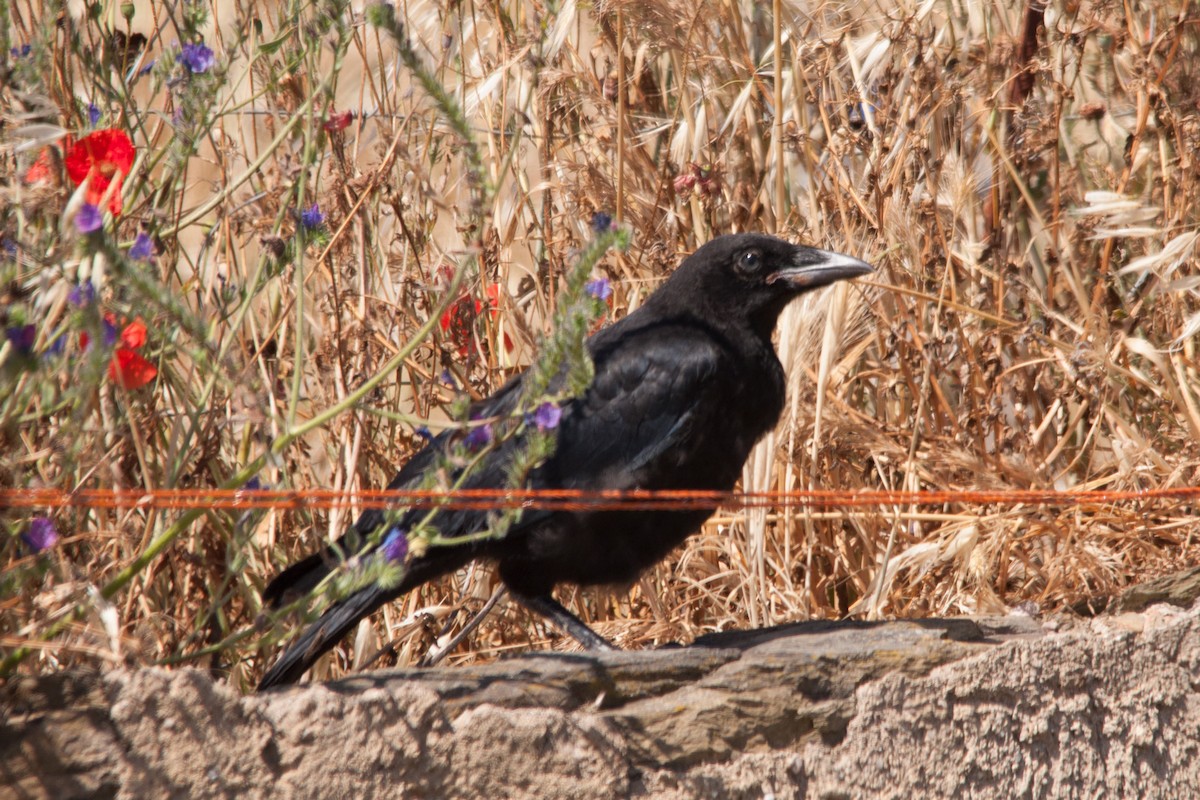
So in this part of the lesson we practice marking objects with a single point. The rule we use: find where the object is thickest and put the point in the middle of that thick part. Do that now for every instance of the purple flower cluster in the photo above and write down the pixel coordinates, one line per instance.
(89, 219)
(110, 332)
(395, 545)
(547, 416)
(479, 437)
(82, 294)
(142, 249)
(21, 337)
(312, 218)
(41, 534)
(599, 288)
(198, 58)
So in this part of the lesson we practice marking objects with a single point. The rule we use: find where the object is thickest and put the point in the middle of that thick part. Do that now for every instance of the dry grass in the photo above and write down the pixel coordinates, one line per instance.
(1031, 202)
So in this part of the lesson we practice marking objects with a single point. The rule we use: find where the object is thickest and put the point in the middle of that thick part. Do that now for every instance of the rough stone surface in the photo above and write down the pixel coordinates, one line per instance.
(1001, 707)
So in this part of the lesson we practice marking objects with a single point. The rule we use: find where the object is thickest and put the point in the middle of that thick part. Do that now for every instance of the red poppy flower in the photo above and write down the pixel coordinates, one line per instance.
(128, 369)
(459, 319)
(103, 158)
(41, 171)
(134, 335)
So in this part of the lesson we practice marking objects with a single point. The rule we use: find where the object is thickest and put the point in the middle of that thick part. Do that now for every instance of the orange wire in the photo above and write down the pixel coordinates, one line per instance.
(559, 499)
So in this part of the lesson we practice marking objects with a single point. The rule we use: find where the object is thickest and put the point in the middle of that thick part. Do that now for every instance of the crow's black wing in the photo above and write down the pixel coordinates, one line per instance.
(645, 415)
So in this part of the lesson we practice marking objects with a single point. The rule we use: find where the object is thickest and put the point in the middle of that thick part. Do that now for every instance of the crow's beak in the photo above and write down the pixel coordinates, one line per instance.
(812, 269)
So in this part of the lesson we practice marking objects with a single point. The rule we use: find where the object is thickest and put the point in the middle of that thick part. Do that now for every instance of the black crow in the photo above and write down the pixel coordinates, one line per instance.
(684, 386)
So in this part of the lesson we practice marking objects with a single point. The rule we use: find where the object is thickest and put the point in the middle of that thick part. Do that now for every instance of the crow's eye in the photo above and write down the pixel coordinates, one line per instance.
(749, 262)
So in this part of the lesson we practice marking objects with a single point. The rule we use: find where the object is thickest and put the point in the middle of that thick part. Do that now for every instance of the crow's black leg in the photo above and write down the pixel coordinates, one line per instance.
(552, 610)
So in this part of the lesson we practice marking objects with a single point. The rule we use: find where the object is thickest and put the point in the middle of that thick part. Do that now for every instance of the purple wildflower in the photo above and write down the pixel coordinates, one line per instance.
(142, 249)
(110, 333)
(254, 485)
(599, 288)
(395, 544)
(22, 338)
(82, 294)
(547, 416)
(93, 114)
(40, 535)
(601, 222)
(448, 379)
(424, 432)
(479, 437)
(89, 219)
(312, 218)
(198, 58)
(20, 52)
(56, 347)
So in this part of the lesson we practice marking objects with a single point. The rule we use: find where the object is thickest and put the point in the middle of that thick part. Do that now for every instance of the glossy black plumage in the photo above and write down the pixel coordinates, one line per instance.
(684, 387)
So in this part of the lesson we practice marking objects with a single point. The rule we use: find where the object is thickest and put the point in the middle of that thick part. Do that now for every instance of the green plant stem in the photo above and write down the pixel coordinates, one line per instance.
(481, 191)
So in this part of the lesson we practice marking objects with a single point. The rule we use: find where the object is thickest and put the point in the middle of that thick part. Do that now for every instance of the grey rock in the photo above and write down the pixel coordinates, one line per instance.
(980, 708)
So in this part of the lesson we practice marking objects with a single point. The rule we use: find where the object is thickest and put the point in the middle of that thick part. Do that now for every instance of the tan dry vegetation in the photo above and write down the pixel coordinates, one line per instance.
(1030, 200)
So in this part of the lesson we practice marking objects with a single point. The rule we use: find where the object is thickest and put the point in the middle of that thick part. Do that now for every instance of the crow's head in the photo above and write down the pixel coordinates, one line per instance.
(753, 275)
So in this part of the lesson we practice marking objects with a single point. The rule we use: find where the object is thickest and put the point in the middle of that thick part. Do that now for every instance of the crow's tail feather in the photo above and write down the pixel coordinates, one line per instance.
(302, 577)
(343, 615)
(297, 580)
(323, 634)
